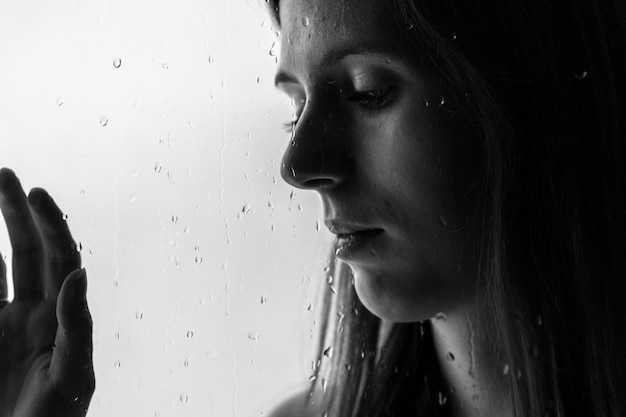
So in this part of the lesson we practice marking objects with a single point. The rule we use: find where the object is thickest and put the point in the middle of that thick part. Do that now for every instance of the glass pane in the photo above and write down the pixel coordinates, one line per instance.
(156, 128)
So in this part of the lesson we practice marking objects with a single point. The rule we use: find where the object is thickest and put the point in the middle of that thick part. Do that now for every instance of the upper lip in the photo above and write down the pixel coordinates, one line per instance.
(339, 227)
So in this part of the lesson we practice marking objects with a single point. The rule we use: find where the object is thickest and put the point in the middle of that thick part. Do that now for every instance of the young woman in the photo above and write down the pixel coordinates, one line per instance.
(470, 161)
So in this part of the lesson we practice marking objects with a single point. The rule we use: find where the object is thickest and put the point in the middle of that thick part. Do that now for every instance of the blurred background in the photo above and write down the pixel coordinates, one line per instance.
(156, 127)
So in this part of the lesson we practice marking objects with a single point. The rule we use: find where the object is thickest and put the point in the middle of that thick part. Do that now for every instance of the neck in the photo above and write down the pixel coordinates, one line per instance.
(470, 366)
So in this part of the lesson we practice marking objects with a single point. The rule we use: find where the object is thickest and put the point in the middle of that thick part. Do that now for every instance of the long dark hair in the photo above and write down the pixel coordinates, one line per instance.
(545, 84)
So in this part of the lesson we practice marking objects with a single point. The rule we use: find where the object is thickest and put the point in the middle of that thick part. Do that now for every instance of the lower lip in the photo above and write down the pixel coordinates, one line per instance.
(348, 246)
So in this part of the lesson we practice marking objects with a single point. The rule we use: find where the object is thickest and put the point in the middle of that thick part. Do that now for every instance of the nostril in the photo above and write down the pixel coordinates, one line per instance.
(318, 183)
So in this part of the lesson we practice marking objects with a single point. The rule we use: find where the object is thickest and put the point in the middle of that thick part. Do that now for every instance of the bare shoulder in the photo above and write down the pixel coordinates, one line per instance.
(296, 405)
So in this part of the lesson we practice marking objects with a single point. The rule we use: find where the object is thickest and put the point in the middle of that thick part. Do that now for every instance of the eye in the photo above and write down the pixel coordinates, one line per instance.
(290, 126)
(372, 99)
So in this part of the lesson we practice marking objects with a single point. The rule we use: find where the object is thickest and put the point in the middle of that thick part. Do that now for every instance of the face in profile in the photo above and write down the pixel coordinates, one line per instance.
(383, 143)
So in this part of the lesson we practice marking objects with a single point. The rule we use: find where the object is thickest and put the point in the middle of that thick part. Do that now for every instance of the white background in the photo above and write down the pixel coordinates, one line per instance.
(201, 263)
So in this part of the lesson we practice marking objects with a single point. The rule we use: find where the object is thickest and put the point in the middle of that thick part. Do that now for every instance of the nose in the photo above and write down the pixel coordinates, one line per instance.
(317, 156)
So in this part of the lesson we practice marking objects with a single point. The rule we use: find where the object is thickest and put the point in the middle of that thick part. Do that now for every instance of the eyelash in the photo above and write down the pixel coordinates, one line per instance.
(290, 125)
(369, 99)
(372, 99)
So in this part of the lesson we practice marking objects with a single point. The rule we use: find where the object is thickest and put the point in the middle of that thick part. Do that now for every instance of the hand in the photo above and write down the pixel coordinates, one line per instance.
(46, 367)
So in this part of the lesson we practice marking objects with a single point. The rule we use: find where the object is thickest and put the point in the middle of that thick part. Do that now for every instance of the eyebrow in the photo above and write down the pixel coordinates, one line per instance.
(336, 54)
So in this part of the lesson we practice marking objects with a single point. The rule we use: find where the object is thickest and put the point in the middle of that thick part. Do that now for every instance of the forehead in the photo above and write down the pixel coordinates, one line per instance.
(340, 14)
(312, 28)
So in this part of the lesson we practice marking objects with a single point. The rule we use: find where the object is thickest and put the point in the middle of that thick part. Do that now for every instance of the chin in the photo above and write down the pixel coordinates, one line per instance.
(396, 303)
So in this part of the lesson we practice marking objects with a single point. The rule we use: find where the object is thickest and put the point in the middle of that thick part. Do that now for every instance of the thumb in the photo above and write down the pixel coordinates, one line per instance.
(71, 367)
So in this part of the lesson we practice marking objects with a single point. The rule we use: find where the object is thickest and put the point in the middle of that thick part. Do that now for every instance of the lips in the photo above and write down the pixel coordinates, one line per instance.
(353, 240)
(339, 228)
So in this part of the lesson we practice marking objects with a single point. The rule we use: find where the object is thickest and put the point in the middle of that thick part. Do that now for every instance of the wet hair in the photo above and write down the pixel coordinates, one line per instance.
(545, 86)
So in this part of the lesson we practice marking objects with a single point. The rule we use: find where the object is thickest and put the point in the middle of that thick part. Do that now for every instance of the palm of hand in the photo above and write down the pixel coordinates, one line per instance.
(27, 335)
(45, 332)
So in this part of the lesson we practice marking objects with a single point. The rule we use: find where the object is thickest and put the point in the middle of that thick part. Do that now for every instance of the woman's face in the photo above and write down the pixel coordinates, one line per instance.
(384, 145)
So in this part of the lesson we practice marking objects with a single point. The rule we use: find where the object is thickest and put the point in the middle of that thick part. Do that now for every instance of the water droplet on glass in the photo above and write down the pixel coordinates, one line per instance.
(59, 102)
(442, 101)
(426, 102)
(198, 259)
(65, 217)
(183, 398)
(408, 25)
(157, 167)
(450, 357)
(453, 36)
(305, 21)
(324, 385)
(505, 370)
(317, 226)
(186, 363)
(539, 321)
(312, 378)
(441, 316)
(263, 299)
(139, 315)
(174, 218)
(104, 121)
(387, 60)
(117, 364)
(253, 336)
(117, 62)
(328, 352)
(272, 51)
(443, 222)
(189, 334)
(442, 398)
(165, 65)
(581, 75)
(246, 209)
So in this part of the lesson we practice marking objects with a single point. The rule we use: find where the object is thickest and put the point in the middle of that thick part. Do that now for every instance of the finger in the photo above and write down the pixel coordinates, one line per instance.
(4, 290)
(71, 366)
(59, 246)
(24, 236)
